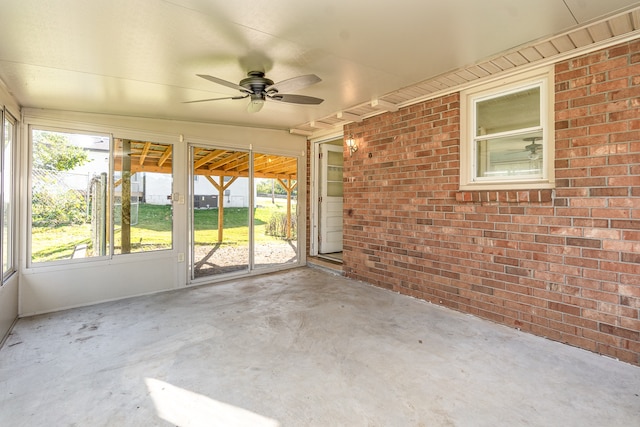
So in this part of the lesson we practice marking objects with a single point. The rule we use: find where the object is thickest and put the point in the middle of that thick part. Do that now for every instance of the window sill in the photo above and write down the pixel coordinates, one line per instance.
(507, 185)
(542, 196)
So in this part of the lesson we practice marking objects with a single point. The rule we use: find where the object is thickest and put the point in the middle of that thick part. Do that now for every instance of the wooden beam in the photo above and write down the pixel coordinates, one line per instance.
(206, 159)
(145, 151)
(277, 162)
(205, 172)
(213, 182)
(135, 167)
(147, 157)
(226, 160)
(217, 186)
(257, 174)
(237, 165)
(165, 155)
(282, 167)
(283, 184)
(228, 184)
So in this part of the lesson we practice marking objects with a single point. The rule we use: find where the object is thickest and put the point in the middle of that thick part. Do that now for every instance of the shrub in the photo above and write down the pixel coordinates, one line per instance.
(277, 225)
(52, 210)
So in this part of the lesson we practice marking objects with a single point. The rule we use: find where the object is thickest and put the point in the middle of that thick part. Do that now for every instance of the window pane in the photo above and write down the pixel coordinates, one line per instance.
(334, 173)
(143, 185)
(510, 157)
(275, 215)
(221, 200)
(68, 195)
(519, 110)
(7, 197)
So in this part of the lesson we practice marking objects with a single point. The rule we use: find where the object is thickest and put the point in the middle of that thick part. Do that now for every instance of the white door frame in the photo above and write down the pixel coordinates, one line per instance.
(314, 191)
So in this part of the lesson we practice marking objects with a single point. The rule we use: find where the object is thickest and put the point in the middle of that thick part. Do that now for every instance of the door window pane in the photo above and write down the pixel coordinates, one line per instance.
(142, 195)
(334, 173)
(68, 189)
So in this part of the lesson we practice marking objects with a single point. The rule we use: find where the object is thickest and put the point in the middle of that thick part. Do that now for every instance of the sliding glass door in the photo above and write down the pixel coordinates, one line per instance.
(243, 211)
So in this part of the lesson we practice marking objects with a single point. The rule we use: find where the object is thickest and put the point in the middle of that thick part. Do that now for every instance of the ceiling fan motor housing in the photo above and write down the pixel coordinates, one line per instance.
(256, 83)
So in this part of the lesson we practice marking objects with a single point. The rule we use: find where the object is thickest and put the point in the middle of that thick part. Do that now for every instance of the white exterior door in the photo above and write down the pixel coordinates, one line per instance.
(330, 202)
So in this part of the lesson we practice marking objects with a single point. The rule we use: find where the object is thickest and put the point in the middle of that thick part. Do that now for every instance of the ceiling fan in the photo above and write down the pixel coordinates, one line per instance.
(259, 89)
(532, 148)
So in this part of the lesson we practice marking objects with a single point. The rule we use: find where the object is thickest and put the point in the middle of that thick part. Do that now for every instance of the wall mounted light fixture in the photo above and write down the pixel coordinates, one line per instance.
(351, 144)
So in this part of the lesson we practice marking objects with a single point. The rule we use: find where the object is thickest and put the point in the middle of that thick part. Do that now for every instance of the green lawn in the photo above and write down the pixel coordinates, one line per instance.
(153, 230)
(58, 243)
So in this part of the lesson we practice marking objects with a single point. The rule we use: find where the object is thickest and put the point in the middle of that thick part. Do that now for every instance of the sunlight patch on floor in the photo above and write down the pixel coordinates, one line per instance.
(185, 408)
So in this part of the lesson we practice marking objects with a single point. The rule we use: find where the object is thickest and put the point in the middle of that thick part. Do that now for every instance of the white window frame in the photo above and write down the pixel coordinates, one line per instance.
(6, 117)
(91, 130)
(542, 78)
(29, 246)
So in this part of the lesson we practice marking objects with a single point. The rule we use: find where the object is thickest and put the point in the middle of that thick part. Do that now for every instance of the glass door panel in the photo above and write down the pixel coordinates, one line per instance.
(220, 211)
(276, 210)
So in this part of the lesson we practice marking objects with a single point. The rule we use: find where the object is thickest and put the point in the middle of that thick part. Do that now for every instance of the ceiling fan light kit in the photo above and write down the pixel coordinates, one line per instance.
(255, 105)
(260, 89)
(532, 148)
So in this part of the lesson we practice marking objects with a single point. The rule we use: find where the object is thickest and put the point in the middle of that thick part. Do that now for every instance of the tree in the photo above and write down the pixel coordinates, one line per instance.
(52, 151)
(269, 185)
(52, 203)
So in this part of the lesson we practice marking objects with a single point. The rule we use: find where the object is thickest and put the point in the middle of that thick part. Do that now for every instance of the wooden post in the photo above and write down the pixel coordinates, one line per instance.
(288, 187)
(220, 208)
(221, 187)
(125, 230)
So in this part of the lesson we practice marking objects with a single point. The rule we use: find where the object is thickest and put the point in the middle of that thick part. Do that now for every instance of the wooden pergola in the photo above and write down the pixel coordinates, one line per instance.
(215, 165)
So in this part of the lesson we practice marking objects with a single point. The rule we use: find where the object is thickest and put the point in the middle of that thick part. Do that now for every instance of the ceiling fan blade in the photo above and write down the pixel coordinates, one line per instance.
(224, 83)
(216, 99)
(295, 99)
(293, 84)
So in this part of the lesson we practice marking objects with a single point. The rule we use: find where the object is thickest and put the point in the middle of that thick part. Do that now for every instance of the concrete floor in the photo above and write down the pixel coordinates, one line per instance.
(299, 348)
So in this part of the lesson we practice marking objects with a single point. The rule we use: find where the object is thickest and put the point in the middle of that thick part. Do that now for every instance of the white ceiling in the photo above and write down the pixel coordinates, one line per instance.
(141, 57)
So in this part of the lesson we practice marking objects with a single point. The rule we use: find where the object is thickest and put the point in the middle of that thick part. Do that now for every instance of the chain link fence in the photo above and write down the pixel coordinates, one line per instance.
(59, 198)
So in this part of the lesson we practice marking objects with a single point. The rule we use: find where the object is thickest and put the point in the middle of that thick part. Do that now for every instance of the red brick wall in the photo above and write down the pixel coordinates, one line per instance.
(564, 264)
